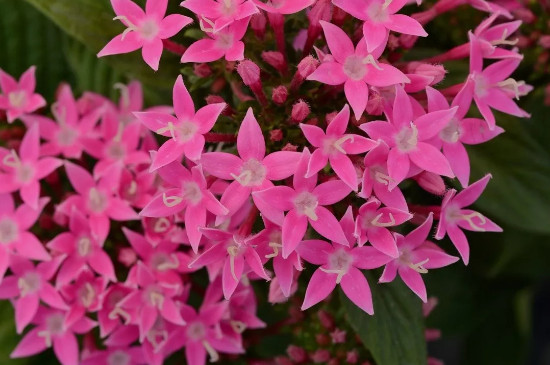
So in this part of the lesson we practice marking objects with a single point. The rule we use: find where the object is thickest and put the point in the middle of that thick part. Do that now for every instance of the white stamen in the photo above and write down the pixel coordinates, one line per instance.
(339, 142)
(214, 356)
(47, 337)
(238, 326)
(382, 178)
(174, 264)
(275, 246)
(233, 251)
(418, 267)
(12, 159)
(376, 221)
(161, 225)
(118, 311)
(124, 93)
(469, 218)
(171, 201)
(369, 60)
(513, 85)
(340, 273)
(130, 27)
(169, 127)
(209, 22)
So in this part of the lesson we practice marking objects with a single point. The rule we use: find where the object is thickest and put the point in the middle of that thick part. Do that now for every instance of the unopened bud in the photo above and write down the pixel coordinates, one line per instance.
(202, 70)
(352, 357)
(431, 182)
(258, 23)
(290, 147)
(326, 319)
(296, 354)
(437, 72)
(276, 60)
(320, 356)
(525, 15)
(279, 95)
(305, 68)
(214, 99)
(249, 72)
(300, 111)
(127, 256)
(544, 41)
(275, 135)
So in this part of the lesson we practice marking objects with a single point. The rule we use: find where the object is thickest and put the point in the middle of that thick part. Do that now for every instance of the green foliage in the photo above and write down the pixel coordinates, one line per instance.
(395, 334)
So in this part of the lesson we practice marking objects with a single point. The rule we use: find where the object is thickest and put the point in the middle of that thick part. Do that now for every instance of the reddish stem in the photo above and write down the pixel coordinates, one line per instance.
(246, 227)
(174, 47)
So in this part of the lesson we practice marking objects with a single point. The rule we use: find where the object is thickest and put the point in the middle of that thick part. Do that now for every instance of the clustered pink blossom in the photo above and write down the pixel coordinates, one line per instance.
(120, 250)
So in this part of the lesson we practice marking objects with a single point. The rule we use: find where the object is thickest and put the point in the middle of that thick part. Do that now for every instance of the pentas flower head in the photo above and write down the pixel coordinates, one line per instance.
(52, 331)
(82, 250)
(454, 218)
(283, 6)
(186, 130)
(145, 30)
(342, 265)
(252, 170)
(221, 13)
(64, 134)
(14, 235)
(380, 17)
(377, 180)
(233, 251)
(304, 203)
(23, 171)
(492, 87)
(356, 68)
(334, 146)
(459, 131)
(187, 191)
(223, 43)
(19, 98)
(372, 225)
(416, 257)
(151, 300)
(28, 286)
(408, 139)
(97, 199)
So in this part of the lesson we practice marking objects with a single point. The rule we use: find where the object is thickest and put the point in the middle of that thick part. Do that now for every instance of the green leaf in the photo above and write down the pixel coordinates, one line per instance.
(395, 333)
(91, 23)
(520, 164)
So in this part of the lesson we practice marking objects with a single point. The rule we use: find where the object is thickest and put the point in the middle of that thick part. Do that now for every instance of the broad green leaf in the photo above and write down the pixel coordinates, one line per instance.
(395, 333)
(91, 23)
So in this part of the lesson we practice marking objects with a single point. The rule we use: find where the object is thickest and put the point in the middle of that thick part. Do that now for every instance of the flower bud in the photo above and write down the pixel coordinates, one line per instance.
(326, 319)
(249, 72)
(320, 356)
(431, 182)
(258, 23)
(296, 354)
(300, 111)
(276, 60)
(290, 147)
(338, 336)
(127, 256)
(432, 334)
(202, 70)
(275, 135)
(305, 68)
(436, 72)
(544, 41)
(352, 357)
(525, 15)
(279, 95)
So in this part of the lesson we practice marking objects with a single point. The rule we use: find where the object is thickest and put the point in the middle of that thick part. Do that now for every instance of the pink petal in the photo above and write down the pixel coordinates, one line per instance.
(436, 256)
(339, 123)
(120, 210)
(235, 196)
(207, 8)
(203, 50)
(206, 116)
(122, 44)
(235, 53)
(228, 281)
(25, 310)
(500, 70)
(331, 192)
(169, 152)
(355, 286)
(381, 239)
(255, 263)
(195, 218)
(30, 145)
(458, 160)
(330, 73)
(430, 159)
(193, 148)
(313, 134)
(476, 131)
(281, 164)
(284, 272)
(31, 344)
(375, 35)
(369, 258)
(65, 348)
(156, 121)
(398, 166)
(7, 82)
(51, 297)
(469, 195)
(300, 181)
(355, 8)
(393, 198)
(344, 168)
(220, 164)
(436, 100)
(320, 286)
(80, 179)
(156, 207)
(250, 140)
(102, 264)
(315, 251)
(379, 129)
(386, 75)
(498, 100)
(429, 125)
(406, 25)
(420, 234)
(338, 41)
(294, 229)
(30, 247)
(183, 103)
(171, 312)
(195, 353)
(151, 52)
(30, 194)
(486, 112)
(129, 9)
(402, 108)
(357, 94)
(414, 282)
(46, 166)
(390, 271)
(358, 145)
(156, 8)
(328, 226)
(479, 223)
(317, 162)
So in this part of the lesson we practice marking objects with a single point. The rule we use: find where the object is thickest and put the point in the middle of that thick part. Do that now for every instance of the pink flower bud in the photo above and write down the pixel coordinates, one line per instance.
(322, 339)
(333, 361)
(202, 70)
(281, 360)
(525, 15)
(338, 336)
(275, 135)
(258, 23)
(300, 111)
(296, 353)
(436, 72)
(322, 10)
(249, 72)
(431, 182)
(279, 95)
(326, 319)
(432, 334)
(544, 41)
(320, 356)
(352, 357)
(429, 306)
(214, 99)
(127, 256)
(305, 68)
(290, 147)
(276, 60)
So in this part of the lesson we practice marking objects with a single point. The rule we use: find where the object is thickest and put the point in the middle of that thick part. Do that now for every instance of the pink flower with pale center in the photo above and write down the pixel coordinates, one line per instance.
(221, 13)
(19, 98)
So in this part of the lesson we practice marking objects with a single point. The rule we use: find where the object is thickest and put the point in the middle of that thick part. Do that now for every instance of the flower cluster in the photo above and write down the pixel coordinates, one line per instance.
(309, 173)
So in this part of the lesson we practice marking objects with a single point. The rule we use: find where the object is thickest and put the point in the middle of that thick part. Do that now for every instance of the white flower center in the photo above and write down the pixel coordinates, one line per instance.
(116, 151)
(149, 29)
(84, 246)
(87, 295)
(17, 99)
(354, 68)
(29, 283)
(192, 192)
(377, 12)
(196, 331)
(306, 204)
(451, 133)
(25, 173)
(228, 7)
(252, 173)
(407, 138)
(163, 262)
(97, 200)
(332, 146)
(154, 296)
(66, 136)
(119, 357)
(9, 231)
(339, 263)
(224, 41)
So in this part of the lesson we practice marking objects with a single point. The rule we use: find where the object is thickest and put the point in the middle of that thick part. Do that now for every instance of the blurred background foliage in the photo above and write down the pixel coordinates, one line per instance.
(491, 312)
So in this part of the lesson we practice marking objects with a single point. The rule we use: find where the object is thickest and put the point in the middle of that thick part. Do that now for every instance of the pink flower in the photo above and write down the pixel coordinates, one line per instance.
(233, 251)
(407, 138)
(96, 199)
(340, 265)
(82, 250)
(221, 13)
(416, 256)
(144, 30)
(355, 68)
(305, 203)
(380, 17)
(19, 98)
(110, 314)
(151, 300)
(453, 217)
(334, 146)
(459, 131)
(22, 171)
(223, 43)
(492, 36)
(14, 235)
(187, 129)
(372, 225)
(377, 180)
(187, 190)
(283, 6)
(29, 284)
(492, 87)
(116, 356)
(51, 330)
(253, 171)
